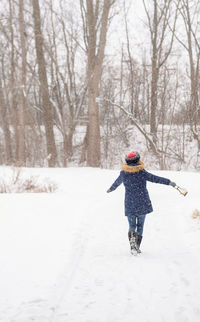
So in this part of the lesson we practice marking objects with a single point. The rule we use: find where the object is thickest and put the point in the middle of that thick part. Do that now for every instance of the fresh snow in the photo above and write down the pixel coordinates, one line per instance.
(64, 256)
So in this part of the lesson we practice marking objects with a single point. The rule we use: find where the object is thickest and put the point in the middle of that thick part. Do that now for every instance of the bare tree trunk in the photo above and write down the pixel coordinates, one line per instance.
(13, 82)
(192, 47)
(47, 106)
(94, 71)
(5, 125)
(154, 79)
(158, 27)
(194, 67)
(133, 98)
(22, 101)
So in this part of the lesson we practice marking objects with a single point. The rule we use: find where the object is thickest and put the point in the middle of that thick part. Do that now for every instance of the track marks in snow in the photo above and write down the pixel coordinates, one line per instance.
(96, 278)
(66, 284)
(109, 284)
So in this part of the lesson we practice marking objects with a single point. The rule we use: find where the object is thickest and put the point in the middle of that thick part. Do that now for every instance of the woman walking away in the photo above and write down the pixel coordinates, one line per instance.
(137, 201)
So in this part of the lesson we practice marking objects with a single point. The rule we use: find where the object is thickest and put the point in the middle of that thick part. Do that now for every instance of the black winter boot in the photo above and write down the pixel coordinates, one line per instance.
(138, 242)
(132, 239)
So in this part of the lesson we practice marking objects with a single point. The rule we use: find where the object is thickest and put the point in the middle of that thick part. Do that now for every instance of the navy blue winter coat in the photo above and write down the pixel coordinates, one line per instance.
(134, 178)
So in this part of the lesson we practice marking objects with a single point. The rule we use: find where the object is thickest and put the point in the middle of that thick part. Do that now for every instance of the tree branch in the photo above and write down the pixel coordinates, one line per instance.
(131, 117)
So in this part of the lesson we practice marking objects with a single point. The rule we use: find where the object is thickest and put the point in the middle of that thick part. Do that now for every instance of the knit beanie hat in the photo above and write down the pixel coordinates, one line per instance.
(132, 157)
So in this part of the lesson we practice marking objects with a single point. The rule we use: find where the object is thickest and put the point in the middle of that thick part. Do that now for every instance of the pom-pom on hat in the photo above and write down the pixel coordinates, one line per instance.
(132, 157)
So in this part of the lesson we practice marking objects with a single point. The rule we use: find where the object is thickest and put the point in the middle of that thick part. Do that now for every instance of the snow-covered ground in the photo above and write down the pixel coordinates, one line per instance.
(64, 256)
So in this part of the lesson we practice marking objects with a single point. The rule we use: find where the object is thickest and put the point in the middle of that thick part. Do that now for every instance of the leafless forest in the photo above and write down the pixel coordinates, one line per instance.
(76, 88)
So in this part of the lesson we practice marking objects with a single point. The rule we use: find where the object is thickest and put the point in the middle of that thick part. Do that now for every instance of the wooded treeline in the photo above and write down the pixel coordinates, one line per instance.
(67, 96)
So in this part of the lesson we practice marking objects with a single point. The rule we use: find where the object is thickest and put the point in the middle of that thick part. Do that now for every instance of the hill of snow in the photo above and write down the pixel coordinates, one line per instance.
(64, 256)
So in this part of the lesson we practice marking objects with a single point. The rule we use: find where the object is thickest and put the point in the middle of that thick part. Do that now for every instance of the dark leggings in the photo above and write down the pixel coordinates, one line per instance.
(136, 223)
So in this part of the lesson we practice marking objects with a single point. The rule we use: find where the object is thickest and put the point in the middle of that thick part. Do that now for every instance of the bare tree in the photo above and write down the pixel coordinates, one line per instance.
(22, 100)
(68, 87)
(158, 27)
(190, 11)
(5, 125)
(13, 83)
(47, 106)
(96, 40)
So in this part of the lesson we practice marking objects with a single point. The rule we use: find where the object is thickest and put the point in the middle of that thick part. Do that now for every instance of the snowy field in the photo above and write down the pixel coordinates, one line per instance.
(64, 256)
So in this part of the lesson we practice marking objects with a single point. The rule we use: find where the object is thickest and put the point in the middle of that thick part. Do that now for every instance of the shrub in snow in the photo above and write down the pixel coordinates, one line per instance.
(18, 183)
